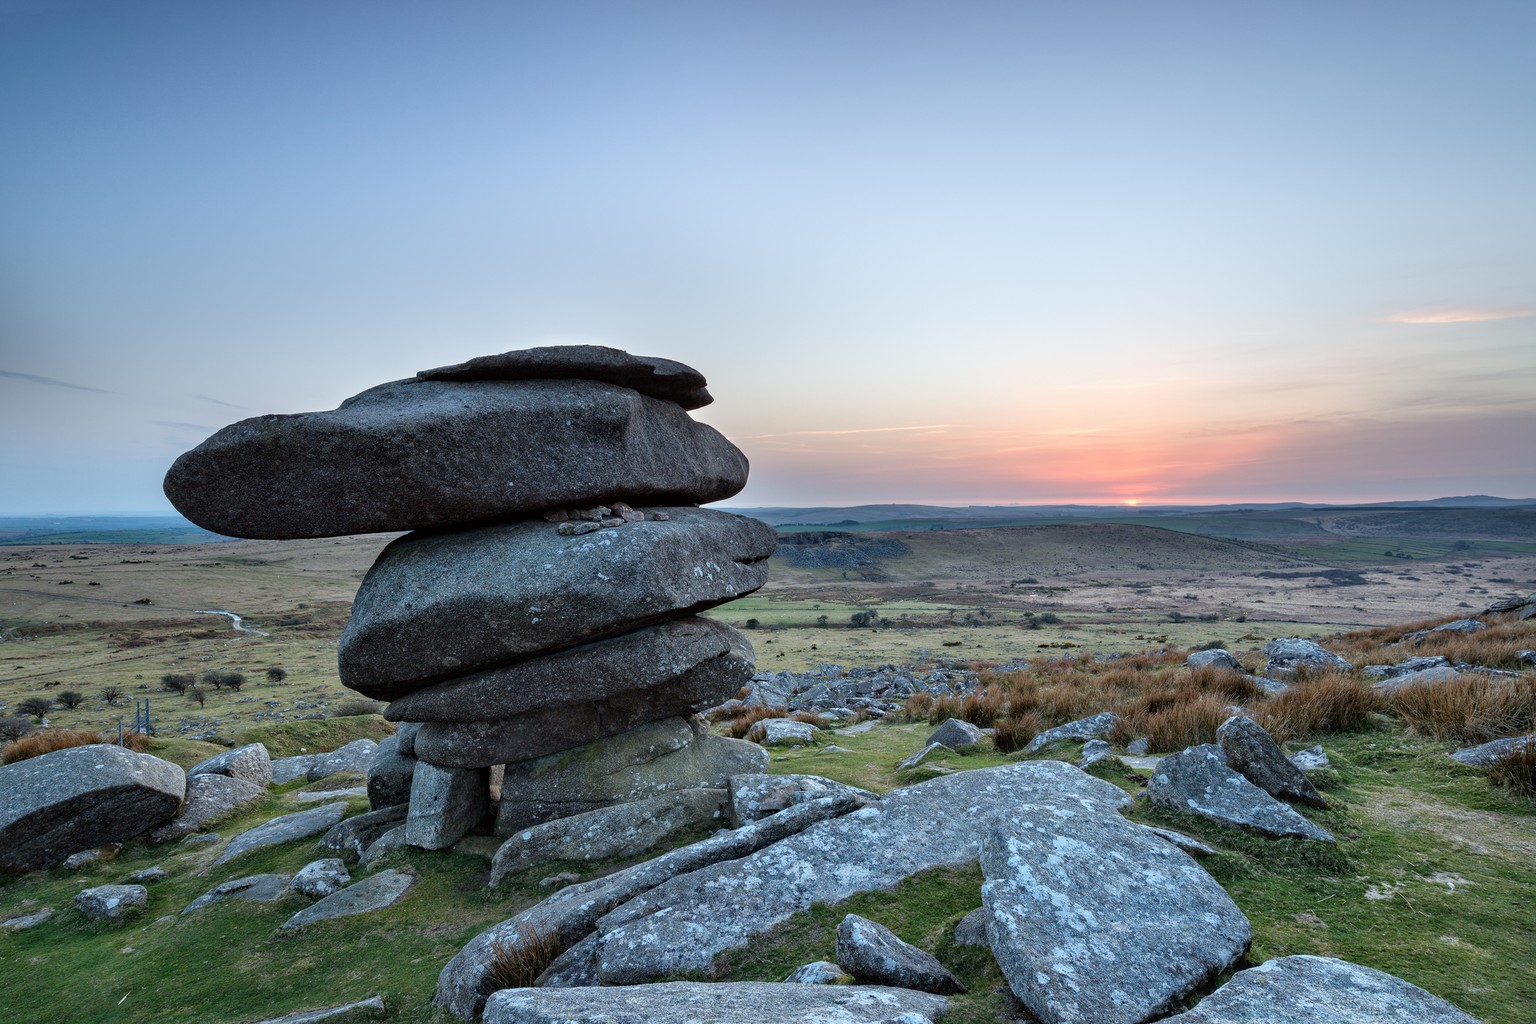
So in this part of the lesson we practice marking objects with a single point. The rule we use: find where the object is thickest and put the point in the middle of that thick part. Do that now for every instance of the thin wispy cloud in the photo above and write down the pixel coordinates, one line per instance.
(858, 430)
(177, 425)
(1458, 316)
(52, 382)
(218, 401)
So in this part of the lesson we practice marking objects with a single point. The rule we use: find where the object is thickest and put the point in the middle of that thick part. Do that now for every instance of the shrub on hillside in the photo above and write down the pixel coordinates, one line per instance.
(14, 729)
(47, 741)
(177, 682)
(71, 699)
(517, 960)
(221, 679)
(1471, 709)
(111, 694)
(37, 707)
(276, 675)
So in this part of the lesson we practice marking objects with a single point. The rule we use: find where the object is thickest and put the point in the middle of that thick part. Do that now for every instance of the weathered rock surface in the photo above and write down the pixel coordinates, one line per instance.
(357, 833)
(820, 972)
(250, 762)
(1199, 781)
(874, 955)
(758, 795)
(286, 769)
(623, 830)
(1459, 626)
(1094, 751)
(67, 800)
(956, 734)
(682, 924)
(1310, 759)
(1287, 655)
(1216, 658)
(353, 757)
(1405, 666)
(1319, 990)
(709, 656)
(411, 455)
(439, 605)
(1095, 919)
(389, 774)
(209, 798)
(284, 829)
(1094, 727)
(688, 1002)
(570, 915)
(972, 929)
(112, 902)
(787, 732)
(375, 892)
(24, 921)
(1484, 754)
(320, 878)
(258, 888)
(666, 379)
(1256, 756)
(364, 1009)
(657, 758)
(926, 754)
(445, 804)
(553, 729)
(1423, 677)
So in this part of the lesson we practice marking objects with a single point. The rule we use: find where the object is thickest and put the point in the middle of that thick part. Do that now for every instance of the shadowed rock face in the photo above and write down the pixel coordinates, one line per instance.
(666, 379)
(413, 455)
(68, 800)
(439, 605)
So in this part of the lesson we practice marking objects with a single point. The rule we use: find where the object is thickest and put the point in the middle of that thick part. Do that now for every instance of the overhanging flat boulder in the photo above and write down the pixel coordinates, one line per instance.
(413, 454)
(81, 797)
(439, 605)
(692, 1002)
(666, 379)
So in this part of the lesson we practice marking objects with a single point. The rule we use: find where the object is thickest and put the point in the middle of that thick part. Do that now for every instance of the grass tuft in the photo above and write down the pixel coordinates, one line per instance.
(1516, 771)
(1471, 709)
(1323, 703)
(517, 960)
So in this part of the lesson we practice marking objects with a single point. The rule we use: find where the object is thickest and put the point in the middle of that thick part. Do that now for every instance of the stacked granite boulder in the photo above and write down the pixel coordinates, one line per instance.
(544, 615)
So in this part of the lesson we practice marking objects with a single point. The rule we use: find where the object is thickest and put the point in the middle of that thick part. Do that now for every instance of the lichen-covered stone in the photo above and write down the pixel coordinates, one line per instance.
(956, 734)
(757, 795)
(250, 762)
(1199, 781)
(1285, 656)
(666, 379)
(112, 902)
(874, 955)
(689, 1002)
(1255, 755)
(210, 798)
(285, 829)
(445, 804)
(1094, 727)
(375, 892)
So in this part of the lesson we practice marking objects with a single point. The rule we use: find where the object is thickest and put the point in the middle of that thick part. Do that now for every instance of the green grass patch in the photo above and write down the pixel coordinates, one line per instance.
(285, 739)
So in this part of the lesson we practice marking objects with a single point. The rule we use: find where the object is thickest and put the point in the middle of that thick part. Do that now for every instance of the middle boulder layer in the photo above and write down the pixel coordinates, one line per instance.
(440, 605)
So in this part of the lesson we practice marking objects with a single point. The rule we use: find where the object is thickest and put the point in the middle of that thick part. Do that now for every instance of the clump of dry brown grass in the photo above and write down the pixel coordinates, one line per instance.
(917, 707)
(1182, 723)
(517, 959)
(1014, 733)
(743, 721)
(47, 741)
(1516, 770)
(1494, 647)
(1472, 709)
(1327, 702)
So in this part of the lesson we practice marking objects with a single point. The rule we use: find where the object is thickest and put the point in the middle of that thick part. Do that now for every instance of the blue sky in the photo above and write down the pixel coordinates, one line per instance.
(944, 252)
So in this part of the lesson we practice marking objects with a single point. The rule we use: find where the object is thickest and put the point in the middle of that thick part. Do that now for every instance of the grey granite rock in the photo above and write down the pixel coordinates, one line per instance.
(623, 830)
(22, 922)
(757, 795)
(972, 929)
(439, 605)
(356, 756)
(357, 833)
(666, 379)
(1459, 626)
(405, 736)
(689, 1002)
(112, 902)
(575, 968)
(1423, 677)
(926, 754)
(375, 892)
(570, 915)
(1094, 727)
(1255, 755)
(257, 888)
(1189, 844)
(560, 727)
(153, 874)
(874, 955)
(210, 798)
(1404, 667)
(390, 774)
(389, 841)
(1319, 990)
(1095, 920)
(1485, 754)
(682, 924)
(1285, 656)
(412, 455)
(250, 762)
(1310, 759)
(363, 1009)
(446, 803)
(648, 761)
(1215, 658)
(286, 769)
(707, 657)
(821, 972)
(787, 732)
(1094, 751)
(956, 734)
(85, 858)
(285, 829)
(1199, 781)
(73, 799)
(320, 878)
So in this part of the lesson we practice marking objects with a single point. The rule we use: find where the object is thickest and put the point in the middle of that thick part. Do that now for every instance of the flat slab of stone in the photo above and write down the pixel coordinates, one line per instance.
(874, 955)
(24, 921)
(1256, 756)
(1484, 754)
(375, 892)
(285, 829)
(820, 972)
(683, 924)
(634, 664)
(1096, 920)
(209, 799)
(1199, 781)
(1319, 990)
(258, 888)
(78, 798)
(439, 605)
(657, 758)
(250, 762)
(321, 878)
(286, 769)
(377, 463)
(364, 1009)
(757, 795)
(666, 379)
(1214, 658)
(353, 757)
(623, 830)
(355, 834)
(1094, 727)
(688, 1002)
(112, 902)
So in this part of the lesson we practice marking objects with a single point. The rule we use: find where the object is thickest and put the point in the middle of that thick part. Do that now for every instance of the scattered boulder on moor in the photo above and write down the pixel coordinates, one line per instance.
(1217, 657)
(1096, 920)
(1198, 780)
(956, 734)
(739, 1002)
(413, 455)
(259, 888)
(320, 878)
(209, 798)
(972, 929)
(1319, 990)
(1094, 751)
(375, 892)
(786, 732)
(713, 657)
(356, 756)
(250, 762)
(1286, 655)
(1310, 759)
(73, 799)
(874, 955)
(438, 605)
(1484, 754)
(757, 795)
(922, 756)
(1256, 756)
(286, 769)
(820, 972)
(357, 833)
(112, 902)
(1404, 667)
(25, 921)
(665, 379)
(1459, 626)
(1423, 677)
(373, 1006)
(1094, 727)
(445, 804)
(284, 829)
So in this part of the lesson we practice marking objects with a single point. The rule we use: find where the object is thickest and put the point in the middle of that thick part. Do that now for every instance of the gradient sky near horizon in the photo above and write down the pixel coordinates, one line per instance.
(944, 252)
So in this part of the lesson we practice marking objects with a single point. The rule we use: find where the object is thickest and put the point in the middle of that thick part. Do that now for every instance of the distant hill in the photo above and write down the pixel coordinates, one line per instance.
(125, 529)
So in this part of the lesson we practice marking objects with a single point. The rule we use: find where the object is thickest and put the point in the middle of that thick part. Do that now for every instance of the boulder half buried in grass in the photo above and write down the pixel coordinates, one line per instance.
(1198, 780)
